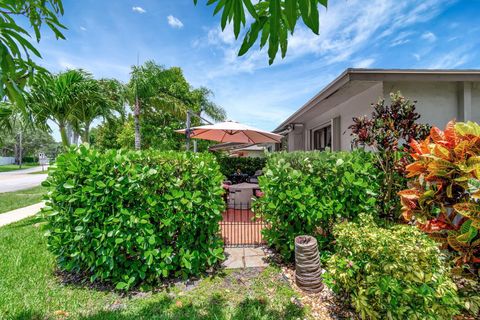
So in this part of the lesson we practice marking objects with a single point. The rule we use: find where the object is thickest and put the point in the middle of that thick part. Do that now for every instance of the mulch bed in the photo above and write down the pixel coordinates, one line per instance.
(325, 305)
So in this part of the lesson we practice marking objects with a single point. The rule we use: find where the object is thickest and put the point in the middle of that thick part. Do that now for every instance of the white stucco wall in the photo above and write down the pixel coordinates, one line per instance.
(476, 102)
(437, 102)
(7, 160)
(356, 106)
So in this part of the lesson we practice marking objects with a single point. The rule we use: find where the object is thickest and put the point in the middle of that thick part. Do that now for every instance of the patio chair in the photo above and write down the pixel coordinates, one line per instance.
(254, 178)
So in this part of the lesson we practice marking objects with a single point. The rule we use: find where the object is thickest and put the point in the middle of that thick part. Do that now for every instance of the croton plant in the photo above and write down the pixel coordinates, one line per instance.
(444, 198)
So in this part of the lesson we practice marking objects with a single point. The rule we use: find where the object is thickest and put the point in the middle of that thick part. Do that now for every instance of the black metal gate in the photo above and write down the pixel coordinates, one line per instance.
(240, 227)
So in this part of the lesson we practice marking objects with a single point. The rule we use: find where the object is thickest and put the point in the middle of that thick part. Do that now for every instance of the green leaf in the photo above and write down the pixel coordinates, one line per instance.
(251, 36)
(251, 8)
(68, 185)
(121, 286)
(291, 12)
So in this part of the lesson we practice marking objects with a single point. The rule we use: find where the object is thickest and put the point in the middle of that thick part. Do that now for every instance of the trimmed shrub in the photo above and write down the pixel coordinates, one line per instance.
(229, 165)
(395, 273)
(127, 217)
(307, 192)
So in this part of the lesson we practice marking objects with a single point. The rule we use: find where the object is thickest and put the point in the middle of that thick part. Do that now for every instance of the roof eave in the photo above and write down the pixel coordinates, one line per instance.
(331, 88)
(380, 75)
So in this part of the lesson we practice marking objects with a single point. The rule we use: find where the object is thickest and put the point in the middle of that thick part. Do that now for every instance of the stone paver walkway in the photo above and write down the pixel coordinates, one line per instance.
(245, 258)
(19, 214)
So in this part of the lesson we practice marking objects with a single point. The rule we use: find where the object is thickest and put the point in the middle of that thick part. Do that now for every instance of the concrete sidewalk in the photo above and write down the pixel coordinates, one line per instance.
(19, 214)
(245, 258)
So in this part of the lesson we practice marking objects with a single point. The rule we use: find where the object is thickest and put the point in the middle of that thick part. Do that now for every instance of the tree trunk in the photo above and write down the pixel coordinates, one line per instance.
(16, 152)
(63, 134)
(20, 149)
(136, 118)
(75, 138)
(86, 133)
(69, 132)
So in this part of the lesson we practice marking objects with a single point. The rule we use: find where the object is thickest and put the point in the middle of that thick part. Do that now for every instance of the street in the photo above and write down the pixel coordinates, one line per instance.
(20, 179)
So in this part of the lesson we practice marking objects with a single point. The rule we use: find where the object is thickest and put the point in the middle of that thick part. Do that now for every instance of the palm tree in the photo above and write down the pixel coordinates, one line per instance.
(100, 98)
(203, 104)
(152, 88)
(56, 96)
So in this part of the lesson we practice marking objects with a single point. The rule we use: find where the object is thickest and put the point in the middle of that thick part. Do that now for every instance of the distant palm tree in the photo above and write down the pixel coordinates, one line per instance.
(158, 89)
(55, 97)
(100, 99)
(203, 104)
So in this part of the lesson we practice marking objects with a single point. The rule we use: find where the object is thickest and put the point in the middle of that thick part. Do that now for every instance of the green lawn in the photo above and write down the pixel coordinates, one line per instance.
(13, 167)
(22, 198)
(30, 290)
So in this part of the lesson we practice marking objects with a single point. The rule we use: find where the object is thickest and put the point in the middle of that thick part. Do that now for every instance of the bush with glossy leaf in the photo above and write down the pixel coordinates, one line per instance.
(307, 192)
(247, 165)
(395, 273)
(127, 217)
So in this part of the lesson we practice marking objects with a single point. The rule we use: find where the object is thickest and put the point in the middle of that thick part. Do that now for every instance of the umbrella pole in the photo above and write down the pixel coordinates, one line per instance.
(187, 132)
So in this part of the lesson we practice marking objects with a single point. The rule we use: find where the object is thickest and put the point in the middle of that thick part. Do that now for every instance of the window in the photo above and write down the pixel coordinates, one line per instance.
(322, 138)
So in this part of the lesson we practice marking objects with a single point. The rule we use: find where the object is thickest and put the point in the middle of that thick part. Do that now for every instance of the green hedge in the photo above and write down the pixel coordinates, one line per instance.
(134, 217)
(395, 273)
(229, 165)
(307, 192)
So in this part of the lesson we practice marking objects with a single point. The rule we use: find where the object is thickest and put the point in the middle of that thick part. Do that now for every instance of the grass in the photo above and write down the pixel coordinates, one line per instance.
(14, 167)
(30, 290)
(21, 198)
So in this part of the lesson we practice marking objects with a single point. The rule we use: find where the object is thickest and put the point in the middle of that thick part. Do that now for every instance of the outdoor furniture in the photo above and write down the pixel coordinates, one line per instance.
(238, 178)
(240, 195)
(254, 178)
(226, 186)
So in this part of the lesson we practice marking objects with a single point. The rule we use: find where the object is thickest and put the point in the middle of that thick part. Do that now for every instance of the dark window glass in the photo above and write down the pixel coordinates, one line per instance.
(322, 138)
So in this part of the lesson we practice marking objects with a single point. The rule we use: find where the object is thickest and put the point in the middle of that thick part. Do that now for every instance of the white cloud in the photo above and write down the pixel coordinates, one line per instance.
(416, 56)
(451, 60)
(174, 22)
(429, 36)
(217, 37)
(364, 63)
(138, 10)
(346, 30)
(401, 39)
(83, 28)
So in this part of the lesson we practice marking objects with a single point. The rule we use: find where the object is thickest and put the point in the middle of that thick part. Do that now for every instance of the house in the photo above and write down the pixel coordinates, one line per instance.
(323, 121)
(243, 150)
(254, 151)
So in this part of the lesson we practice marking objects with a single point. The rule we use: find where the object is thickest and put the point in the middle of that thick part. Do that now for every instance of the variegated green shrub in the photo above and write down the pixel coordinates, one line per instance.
(394, 273)
(128, 218)
(307, 192)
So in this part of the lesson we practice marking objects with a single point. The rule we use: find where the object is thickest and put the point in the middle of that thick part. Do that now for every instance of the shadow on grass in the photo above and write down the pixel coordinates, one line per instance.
(26, 222)
(216, 307)
(27, 315)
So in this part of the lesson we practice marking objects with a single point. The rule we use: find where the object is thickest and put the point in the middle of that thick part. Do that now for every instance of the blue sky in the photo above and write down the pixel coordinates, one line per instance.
(105, 37)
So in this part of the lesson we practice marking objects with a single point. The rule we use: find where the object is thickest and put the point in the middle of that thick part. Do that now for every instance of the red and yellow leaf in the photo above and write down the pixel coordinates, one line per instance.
(437, 135)
(468, 209)
(450, 134)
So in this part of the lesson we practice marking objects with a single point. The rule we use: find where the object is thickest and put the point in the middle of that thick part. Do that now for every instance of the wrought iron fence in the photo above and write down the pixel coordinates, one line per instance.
(240, 227)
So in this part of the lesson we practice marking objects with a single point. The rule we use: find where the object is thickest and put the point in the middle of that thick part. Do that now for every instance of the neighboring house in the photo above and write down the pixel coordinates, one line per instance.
(254, 151)
(323, 121)
(243, 150)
